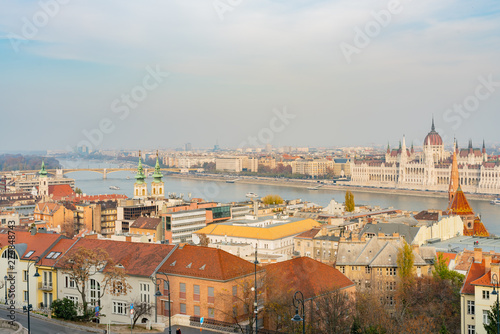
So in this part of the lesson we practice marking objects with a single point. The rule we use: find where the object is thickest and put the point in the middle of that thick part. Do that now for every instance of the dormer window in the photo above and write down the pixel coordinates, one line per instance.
(29, 253)
(51, 254)
(173, 264)
(189, 265)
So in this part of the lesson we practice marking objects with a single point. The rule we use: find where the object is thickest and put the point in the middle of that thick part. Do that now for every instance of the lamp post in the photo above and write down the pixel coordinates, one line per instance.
(5, 285)
(256, 311)
(159, 294)
(33, 260)
(298, 300)
(494, 279)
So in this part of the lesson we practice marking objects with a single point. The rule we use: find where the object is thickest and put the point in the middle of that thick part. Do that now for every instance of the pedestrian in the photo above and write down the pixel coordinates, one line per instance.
(178, 331)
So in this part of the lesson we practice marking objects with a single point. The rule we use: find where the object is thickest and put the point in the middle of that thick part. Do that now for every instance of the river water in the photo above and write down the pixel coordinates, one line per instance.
(92, 183)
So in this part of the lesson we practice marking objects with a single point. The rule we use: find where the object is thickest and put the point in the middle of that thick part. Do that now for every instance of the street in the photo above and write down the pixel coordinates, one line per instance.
(40, 326)
(45, 327)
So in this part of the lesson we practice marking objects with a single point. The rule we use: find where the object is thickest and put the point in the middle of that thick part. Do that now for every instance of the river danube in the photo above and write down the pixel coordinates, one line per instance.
(92, 183)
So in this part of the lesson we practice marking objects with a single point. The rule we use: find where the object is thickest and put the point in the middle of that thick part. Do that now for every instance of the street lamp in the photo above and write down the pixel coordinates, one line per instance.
(34, 260)
(159, 294)
(5, 285)
(298, 299)
(494, 280)
(256, 311)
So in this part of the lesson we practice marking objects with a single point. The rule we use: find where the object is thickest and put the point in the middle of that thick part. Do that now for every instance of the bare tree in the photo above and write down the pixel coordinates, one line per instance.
(83, 264)
(141, 309)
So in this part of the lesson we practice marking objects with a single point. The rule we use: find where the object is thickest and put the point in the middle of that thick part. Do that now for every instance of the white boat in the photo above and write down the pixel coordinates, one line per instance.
(114, 187)
(496, 201)
(314, 188)
(252, 195)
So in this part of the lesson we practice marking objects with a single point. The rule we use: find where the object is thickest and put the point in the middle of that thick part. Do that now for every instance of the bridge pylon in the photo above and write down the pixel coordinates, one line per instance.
(104, 174)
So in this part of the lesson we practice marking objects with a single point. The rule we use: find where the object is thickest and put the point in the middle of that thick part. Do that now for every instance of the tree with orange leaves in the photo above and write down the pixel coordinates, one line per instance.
(83, 264)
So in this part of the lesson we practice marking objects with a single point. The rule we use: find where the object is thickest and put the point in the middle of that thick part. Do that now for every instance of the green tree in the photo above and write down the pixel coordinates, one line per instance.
(441, 271)
(349, 201)
(64, 309)
(491, 326)
(78, 190)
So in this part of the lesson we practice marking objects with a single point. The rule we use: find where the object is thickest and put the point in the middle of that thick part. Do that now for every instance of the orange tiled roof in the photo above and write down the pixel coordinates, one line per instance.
(447, 256)
(476, 270)
(139, 259)
(304, 274)
(62, 247)
(460, 206)
(60, 191)
(205, 262)
(38, 243)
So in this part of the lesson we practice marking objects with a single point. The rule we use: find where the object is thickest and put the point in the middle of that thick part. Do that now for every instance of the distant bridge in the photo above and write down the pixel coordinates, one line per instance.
(104, 171)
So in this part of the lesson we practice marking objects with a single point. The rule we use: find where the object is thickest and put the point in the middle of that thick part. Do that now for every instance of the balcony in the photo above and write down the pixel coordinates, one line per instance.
(45, 286)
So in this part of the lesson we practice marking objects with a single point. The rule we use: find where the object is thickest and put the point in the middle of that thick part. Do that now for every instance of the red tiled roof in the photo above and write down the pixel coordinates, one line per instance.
(59, 191)
(146, 223)
(205, 262)
(476, 270)
(139, 259)
(62, 247)
(433, 138)
(309, 234)
(447, 256)
(39, 243)
(305, 274)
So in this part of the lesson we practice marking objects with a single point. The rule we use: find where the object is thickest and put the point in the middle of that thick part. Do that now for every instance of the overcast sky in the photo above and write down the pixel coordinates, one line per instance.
(158, 74)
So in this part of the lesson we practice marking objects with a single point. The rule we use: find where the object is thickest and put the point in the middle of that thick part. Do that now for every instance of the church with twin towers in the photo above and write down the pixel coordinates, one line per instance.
(157, 185)
(430, 169)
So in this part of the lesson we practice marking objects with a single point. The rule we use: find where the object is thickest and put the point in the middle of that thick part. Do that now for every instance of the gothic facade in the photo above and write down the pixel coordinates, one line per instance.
(429, 170)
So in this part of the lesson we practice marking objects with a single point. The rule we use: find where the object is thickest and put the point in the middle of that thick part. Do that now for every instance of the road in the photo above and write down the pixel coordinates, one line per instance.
(40, 326)
(45, 327)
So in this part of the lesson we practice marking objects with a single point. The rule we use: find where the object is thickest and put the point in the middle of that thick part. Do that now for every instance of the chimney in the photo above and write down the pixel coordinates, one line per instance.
(478, 255)
(487, 262)
(494, 270)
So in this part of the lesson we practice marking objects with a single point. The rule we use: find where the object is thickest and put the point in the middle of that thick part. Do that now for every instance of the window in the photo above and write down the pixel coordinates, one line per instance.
(368, 270)
(25, 295)
(390, 271)
(25, 275)
(486, 294)
(235, 312)
(196, 293)
(183, 308)
(166, 305)
(47, 299)
(95, 289)
(485, 317)
(74, 299)
(211, 296)
(69, 282)
(29, 253)
(9, 254)
(470, 307)
(120, 308)
(211, 312)
(342, 269)
(182, 291)
(197, 310)
(51, 254)
(145, 292)
(379, 271)
(471, 329)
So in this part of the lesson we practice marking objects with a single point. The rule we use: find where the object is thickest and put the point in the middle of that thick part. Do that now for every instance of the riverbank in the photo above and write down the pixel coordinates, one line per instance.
(309, 184)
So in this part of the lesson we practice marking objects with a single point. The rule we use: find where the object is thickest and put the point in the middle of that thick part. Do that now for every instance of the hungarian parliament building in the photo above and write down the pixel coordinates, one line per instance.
(429, 170)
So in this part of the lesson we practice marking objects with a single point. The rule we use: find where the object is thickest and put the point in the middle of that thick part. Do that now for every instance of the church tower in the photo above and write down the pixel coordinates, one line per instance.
(43, 186)
(157, 186)
(140, 187)
(454, 177)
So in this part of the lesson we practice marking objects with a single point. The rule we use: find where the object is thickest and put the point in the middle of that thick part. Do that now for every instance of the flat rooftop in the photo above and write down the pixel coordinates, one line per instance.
(457, 244)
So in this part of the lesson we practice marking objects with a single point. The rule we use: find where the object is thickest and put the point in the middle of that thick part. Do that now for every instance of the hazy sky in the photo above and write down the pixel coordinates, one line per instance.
(158, 74)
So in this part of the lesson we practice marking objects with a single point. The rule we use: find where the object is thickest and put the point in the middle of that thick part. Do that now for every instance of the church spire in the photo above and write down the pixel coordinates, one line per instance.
(140, 172)
(43, 171)
(433, 128)
(454, 178)
(157, 175)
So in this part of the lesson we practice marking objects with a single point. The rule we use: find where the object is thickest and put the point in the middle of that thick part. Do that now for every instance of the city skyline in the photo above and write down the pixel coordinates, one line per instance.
(318, 74)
